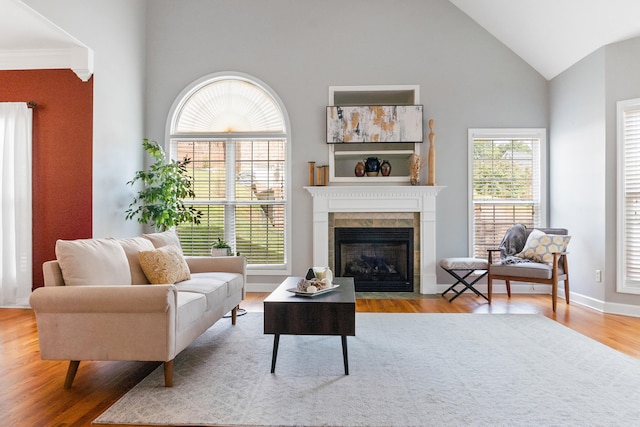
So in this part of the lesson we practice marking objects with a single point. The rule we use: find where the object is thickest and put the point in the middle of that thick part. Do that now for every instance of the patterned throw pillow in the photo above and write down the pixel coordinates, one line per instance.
(164, 265)
(540, 246)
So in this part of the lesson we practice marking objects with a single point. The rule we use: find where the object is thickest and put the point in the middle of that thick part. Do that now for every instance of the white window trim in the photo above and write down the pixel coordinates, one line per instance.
(254, 270)
(621, 283)
(511, 133)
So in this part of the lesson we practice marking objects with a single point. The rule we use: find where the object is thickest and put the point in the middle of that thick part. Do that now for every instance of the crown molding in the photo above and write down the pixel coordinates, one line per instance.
(79, 59)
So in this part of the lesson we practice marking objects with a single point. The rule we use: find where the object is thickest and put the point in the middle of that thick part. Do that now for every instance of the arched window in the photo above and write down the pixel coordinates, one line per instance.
(235, 131)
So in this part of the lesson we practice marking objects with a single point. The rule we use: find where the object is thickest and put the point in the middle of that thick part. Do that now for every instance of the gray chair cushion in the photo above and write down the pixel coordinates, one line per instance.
(527, 270)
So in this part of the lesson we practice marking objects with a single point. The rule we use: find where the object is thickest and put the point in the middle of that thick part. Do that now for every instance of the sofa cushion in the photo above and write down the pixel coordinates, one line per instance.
(131, 248)
(214, 290)
(164, 265)
(527, 270)
(166, 238)
(234, 281)
(541, 246)
(190, 309)
(92, 262)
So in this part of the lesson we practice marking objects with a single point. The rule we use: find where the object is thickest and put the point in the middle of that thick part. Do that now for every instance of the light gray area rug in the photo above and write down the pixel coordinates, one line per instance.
(405, 370)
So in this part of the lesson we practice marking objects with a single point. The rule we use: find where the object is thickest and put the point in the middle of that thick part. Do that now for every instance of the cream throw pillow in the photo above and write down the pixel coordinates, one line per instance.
(92, 262)
(540, 246)
(164, 265)
(132, 247)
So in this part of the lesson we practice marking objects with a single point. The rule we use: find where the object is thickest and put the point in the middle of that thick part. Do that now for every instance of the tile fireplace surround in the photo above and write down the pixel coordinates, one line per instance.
(368, 199)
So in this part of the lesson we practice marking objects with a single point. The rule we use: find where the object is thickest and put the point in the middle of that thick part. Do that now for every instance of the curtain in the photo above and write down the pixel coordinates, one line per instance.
(15, 215)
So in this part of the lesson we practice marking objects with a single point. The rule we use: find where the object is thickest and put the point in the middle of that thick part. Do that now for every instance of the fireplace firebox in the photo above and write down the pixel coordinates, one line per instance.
(378, 259)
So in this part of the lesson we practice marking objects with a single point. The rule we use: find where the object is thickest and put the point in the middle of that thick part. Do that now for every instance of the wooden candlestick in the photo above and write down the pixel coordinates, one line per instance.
(431, 175)
(312, 174)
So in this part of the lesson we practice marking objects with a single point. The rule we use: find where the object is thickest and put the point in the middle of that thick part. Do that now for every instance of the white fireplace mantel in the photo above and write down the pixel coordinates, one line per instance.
(422, 199)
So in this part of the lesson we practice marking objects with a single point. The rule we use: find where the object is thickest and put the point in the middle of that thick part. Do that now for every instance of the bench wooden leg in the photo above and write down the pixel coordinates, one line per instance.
(71, 373)
(168, 373)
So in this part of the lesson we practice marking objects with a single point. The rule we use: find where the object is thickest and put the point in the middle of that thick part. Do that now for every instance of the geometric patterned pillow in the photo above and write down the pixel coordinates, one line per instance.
(164, 265)
(540, 246)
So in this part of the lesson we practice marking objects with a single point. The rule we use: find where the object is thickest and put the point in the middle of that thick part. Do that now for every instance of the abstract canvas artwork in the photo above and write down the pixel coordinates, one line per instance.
(375, 123)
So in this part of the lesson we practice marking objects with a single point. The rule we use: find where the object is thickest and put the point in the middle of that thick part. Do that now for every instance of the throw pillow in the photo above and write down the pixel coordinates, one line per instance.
(540, 246)
(164, 265)
(166, 238)
(92, 262)
(132, 247)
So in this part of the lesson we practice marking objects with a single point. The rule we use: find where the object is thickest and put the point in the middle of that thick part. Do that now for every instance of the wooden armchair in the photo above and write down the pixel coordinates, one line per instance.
(548, 266)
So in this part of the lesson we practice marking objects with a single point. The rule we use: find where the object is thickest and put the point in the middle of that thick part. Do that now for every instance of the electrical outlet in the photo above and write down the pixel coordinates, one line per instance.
(598, 276)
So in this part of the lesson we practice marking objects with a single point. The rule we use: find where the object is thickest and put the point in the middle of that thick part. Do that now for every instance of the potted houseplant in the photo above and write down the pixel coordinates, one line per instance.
(221, 248)
(165, 185)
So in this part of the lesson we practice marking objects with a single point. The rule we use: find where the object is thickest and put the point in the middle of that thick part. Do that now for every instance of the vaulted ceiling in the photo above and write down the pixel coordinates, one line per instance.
(550, 35)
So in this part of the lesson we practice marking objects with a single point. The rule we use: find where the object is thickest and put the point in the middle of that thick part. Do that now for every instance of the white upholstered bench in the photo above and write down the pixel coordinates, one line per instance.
(463, 268)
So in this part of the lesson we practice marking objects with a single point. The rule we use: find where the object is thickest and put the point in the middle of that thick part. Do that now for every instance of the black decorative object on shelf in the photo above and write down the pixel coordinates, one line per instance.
(372, 166)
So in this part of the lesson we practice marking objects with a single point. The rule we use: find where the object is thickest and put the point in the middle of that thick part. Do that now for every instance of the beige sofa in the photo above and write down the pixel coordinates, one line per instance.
(98, 303)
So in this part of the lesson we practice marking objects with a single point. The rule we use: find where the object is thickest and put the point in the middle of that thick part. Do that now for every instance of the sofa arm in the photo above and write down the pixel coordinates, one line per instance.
(104, 299)
(106, 322)
(52, 273)
(226, 264)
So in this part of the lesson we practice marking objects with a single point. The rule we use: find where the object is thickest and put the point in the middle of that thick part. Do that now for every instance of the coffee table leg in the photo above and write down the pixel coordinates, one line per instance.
(344, 355)
(276, 341)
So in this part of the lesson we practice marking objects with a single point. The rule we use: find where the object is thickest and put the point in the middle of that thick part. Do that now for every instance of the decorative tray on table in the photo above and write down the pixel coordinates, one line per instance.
(300, 293)
(313, 285)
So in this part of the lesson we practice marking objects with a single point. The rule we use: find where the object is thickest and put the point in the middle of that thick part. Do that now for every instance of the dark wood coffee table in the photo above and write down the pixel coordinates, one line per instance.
(332, 313)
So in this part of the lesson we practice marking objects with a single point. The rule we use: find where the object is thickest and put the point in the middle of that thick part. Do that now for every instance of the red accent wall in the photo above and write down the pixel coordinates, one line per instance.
(62, 155)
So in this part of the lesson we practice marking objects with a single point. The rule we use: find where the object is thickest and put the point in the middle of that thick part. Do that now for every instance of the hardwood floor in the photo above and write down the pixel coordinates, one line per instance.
(32, 394)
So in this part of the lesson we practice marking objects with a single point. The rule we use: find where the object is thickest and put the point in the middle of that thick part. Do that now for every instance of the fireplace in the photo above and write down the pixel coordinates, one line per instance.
(387, 199)
(379, 259)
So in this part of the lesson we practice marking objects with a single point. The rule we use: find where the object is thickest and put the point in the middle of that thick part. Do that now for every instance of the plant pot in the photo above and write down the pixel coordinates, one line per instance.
(220, 251)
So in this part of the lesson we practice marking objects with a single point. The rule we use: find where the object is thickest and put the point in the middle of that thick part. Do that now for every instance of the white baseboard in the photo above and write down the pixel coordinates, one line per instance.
(576, 298)
(516, 288)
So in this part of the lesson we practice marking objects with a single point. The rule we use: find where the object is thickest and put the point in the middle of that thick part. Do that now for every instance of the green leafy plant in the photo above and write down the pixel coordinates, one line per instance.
(221, 244)
(165, 185)
(221, 247)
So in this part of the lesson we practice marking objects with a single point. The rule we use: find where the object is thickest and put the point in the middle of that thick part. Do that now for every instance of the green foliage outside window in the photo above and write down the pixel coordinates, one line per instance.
(502, 169)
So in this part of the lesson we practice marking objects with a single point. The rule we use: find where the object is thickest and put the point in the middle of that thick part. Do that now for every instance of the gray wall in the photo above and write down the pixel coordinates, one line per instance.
(300, 48)
(583, 166)
(577, 168)
(115, 31)
(622, 82)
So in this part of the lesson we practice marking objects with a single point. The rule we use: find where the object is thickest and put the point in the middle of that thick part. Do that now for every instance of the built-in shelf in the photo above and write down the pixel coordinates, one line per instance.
(344, 157)
(373, 153)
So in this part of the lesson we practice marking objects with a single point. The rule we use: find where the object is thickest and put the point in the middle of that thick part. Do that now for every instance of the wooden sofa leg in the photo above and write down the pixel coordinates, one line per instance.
(489, 289)
(71, 373)
(168, 373)
(234, 315)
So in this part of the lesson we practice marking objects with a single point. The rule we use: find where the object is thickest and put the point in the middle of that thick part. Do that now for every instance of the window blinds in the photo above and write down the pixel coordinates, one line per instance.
(630, 191)
(506, 188)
